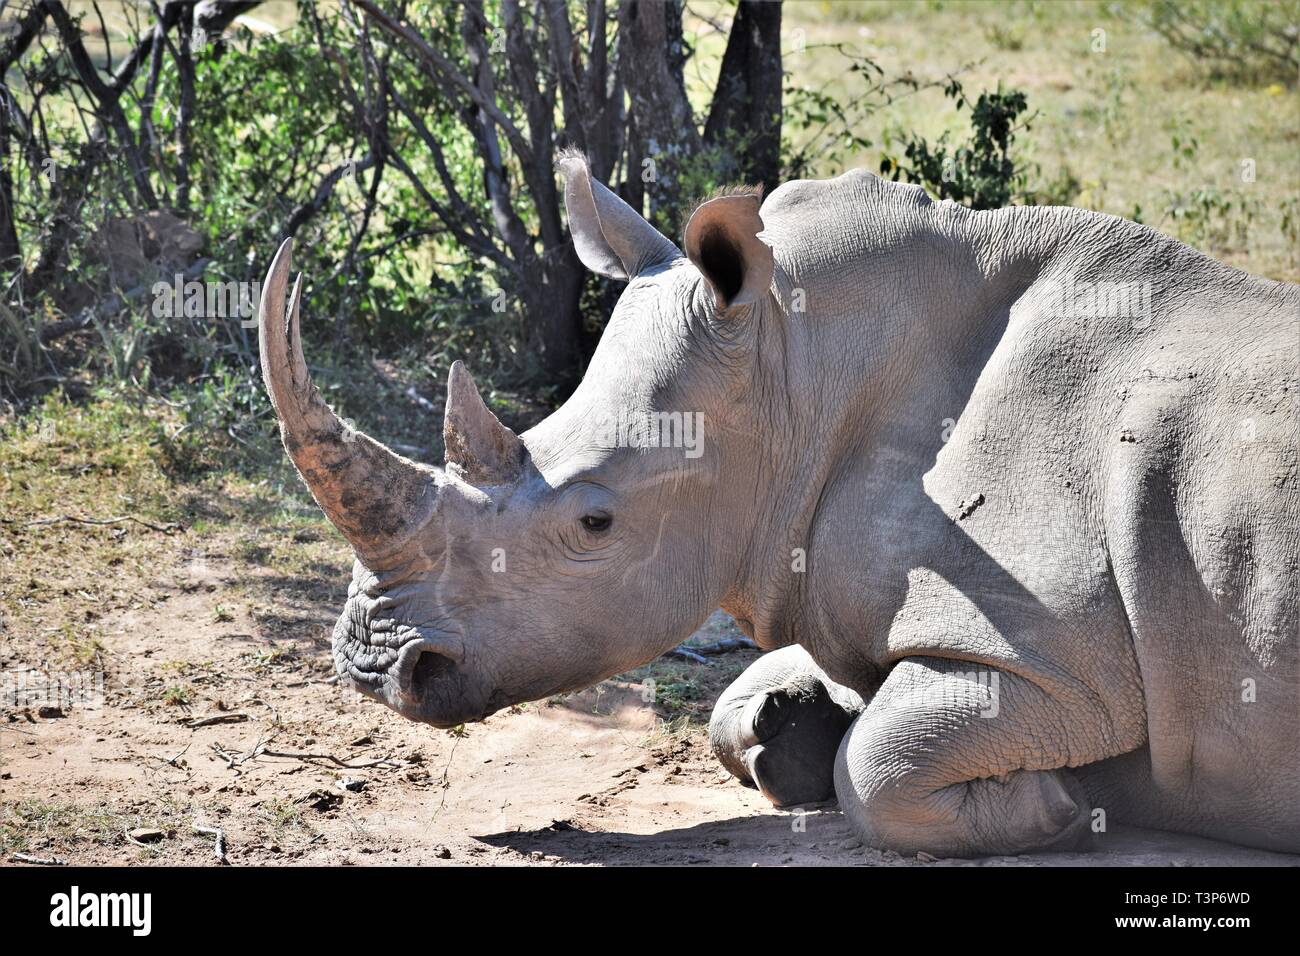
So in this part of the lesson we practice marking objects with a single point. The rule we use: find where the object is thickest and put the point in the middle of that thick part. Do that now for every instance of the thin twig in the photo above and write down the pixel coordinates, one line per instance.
(38, 860)
(165, 528)
(230, 718)
(219, 835)
(444, 783)
(696, 654)
(233, 761)
(173, 760)
(361, 765)
(726, 645)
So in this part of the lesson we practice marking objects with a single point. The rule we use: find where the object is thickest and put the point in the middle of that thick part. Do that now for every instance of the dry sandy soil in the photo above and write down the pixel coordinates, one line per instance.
(210, 720)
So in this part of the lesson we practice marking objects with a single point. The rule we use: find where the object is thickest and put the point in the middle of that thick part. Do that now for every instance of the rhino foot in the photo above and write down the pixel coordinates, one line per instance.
(779, 725)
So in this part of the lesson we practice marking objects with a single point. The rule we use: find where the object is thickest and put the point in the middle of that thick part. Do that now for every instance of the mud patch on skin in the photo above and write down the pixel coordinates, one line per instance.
(967, 506)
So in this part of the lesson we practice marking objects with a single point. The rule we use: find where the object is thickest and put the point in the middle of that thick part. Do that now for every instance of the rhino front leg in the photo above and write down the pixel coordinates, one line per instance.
(956, 759)
(779, 725)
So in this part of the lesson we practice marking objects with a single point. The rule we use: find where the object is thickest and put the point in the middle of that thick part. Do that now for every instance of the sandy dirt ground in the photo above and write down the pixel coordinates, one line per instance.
(261, 744)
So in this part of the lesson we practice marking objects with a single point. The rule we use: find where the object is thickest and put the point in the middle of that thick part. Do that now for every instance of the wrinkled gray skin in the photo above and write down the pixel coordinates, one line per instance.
(1055, 553)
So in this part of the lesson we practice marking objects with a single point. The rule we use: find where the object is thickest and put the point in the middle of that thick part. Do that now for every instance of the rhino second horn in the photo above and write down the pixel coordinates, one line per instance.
(375, 497)
(480, 450)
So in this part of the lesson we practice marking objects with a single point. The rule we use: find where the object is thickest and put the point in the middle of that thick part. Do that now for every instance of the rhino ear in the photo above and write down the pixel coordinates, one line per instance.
(612, 239)
(721, 238)
(480, 450)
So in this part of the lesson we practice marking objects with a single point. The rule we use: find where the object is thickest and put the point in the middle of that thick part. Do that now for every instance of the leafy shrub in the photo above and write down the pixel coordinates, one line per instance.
(1238, 39)
(981, 173)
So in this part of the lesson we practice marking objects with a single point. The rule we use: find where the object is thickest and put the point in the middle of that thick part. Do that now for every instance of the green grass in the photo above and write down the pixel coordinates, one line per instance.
(684, 691)
(83, 457)
(283, 821)
(35, 826)
(46, 828)
(177, 696)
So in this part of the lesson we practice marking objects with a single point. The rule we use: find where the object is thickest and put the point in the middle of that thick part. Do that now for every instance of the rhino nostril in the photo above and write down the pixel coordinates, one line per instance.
(429, 666)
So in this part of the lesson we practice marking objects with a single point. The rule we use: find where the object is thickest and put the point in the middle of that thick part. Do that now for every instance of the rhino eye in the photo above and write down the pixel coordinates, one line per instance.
(597, 523)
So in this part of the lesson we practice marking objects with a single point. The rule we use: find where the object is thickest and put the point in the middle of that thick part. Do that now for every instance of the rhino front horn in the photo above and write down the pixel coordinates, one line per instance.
(375, 497)
(480, 450)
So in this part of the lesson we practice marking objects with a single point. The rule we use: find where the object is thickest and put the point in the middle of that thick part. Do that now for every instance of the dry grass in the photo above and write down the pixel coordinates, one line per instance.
(105, 459)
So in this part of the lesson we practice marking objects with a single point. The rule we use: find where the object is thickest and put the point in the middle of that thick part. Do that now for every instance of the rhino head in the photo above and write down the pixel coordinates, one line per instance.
(540, 563)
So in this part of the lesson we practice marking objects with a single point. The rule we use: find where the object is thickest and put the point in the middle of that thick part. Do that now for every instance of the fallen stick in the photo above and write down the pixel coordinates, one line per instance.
(219, 835)
(695, 654)
(165, 528)
(725, 645)
(233, 761)
(172, 760)
(361, 765)
(38, 860)
(229, 718)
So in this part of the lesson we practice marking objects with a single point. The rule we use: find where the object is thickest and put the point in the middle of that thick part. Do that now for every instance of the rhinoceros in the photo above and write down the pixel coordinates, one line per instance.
(1009, 497)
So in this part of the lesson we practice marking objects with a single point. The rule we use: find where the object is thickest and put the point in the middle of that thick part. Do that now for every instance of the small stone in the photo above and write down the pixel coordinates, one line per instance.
(442, 853)
(50, 711)
(146, 835)
(851, 844)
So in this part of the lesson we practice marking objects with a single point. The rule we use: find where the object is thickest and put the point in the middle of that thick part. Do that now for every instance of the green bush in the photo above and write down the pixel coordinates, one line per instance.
(1248, 40)
(981, 173)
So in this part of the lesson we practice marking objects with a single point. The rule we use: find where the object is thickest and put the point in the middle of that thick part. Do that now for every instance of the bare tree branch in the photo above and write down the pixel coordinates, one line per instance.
(445, 70)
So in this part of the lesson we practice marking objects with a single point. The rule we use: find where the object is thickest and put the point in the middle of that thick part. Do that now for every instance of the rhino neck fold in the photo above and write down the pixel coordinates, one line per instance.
(864, 375)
